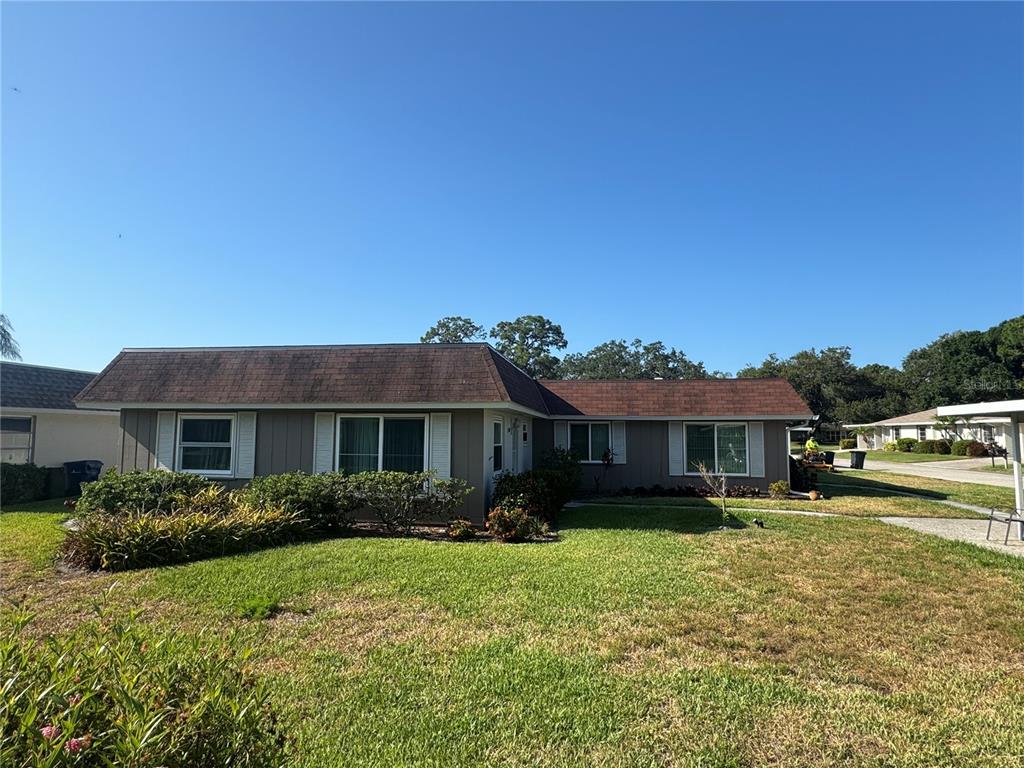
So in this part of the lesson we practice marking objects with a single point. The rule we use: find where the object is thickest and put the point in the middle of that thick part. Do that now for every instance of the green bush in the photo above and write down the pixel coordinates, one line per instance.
(326, 500)
(22, 482)
(906, 444)
(942, 446)
(155, 490)
(113, 693)
(779, 489)
(976, 449)
(140, 540)
(959, 447)
(400, 499)
(512, 522)
(890, 446)
(848, 442)
(925, 446)
(562, 472)
(535, 490)
(460, 529)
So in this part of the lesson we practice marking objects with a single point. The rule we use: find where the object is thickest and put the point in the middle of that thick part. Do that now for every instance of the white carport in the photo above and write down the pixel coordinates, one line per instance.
(1014, 409)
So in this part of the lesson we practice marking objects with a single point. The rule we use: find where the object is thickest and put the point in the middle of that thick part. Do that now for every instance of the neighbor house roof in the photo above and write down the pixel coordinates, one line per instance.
(392, 374)
(923, 418)
(675, 397)
(38, 386)
(420, 374)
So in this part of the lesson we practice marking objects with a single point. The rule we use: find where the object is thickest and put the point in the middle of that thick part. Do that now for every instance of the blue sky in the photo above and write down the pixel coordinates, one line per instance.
(732, 179)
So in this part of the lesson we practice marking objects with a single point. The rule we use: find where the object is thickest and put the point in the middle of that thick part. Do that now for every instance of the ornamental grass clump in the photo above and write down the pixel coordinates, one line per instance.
(114, 693)
(118, 542)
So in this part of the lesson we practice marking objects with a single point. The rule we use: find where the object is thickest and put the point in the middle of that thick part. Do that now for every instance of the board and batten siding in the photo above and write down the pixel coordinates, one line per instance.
(647, 461)
(285, 443)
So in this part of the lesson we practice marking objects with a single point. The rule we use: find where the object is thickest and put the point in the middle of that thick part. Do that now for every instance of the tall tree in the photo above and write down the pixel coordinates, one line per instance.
(453, 330)
(9, 349)
(527, 341)
(618, 359)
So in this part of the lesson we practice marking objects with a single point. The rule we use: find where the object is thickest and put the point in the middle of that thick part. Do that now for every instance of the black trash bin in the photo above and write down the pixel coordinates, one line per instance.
(78, 472)
(857, 459)
(830, 457)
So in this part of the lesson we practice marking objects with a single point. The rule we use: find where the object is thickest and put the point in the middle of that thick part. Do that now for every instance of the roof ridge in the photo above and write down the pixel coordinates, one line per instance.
(307, 346)
(46, 367)
(492, 369)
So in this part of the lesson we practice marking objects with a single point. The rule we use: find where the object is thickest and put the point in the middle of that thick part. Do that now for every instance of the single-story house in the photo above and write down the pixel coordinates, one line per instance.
(461, 410)
(921, 426)
(41, 424)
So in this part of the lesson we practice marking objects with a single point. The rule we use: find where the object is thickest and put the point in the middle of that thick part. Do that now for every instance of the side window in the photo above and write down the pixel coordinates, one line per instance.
(497, 445)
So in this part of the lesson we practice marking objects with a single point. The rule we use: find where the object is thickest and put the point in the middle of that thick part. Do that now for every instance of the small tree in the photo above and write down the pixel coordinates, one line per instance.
(950, 426)
(607, 459)
(716, 481)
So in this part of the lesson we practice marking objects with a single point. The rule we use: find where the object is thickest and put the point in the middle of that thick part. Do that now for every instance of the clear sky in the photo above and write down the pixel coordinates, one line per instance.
(731, 179)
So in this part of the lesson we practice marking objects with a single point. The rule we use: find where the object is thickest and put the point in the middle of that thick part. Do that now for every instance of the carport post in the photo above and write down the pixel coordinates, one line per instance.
(1018, 481)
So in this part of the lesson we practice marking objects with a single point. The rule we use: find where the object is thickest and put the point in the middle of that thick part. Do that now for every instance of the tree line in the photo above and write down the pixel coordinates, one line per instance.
(960, 367)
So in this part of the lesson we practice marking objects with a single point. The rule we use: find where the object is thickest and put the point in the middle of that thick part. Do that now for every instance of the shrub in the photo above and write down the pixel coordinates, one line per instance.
(460, 529)
(400, 499)
(140, 540)
(563, 472)
(22, 482)
(535, 490)
(326, 500)
(511, 522)
(155, 490)
(891, 446)
(906, 444)
(976, 449)
(942, 446)
(115, 693)
(925, 446)
(959, 447)
(779, 489)
(848, 442)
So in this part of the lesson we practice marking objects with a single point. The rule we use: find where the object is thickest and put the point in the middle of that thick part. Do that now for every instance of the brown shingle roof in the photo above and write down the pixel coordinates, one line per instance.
(396, 374)
(38, 386)
(688, 397)
(383, 373)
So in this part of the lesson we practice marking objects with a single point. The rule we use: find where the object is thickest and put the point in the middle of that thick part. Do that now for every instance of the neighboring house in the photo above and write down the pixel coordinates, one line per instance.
(40, 423)
(461, 410)
(921, 426)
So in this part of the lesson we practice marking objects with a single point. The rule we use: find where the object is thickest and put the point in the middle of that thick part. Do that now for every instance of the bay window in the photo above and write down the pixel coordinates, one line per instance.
(371, 443)
(721, 447)
(591, 441)
(205, 444)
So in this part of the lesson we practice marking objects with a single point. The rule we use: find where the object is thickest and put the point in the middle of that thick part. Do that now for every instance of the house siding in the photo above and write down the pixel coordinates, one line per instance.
(284, 443)
(647, 458)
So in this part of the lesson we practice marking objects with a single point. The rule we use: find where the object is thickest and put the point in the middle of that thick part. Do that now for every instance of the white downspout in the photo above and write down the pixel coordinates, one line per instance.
(1018, 480)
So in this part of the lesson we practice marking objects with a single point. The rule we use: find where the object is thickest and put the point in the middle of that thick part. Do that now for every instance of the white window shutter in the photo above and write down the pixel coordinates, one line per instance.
(166, 423)
(675, 448)
(441, 445)
(245, 463)
(323, 442)
(619, 442)
(755, 449)
(562, 435)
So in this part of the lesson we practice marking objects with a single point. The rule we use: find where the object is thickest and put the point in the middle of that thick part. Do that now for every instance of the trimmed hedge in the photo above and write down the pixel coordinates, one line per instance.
(22, 482)
(153, 491)
(848, 442)
(942, 447)
(326, 500)
(924, 446)
(964, 448)
(113, 692)
(906, 444)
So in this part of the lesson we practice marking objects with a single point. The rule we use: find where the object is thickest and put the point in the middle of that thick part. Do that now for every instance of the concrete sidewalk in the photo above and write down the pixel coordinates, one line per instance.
(957, 471)
(970, 531)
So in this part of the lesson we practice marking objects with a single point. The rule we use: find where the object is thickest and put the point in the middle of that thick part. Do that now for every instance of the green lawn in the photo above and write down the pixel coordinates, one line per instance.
(889, 482)
(1006, 470)
(899, 457)
(643, 637)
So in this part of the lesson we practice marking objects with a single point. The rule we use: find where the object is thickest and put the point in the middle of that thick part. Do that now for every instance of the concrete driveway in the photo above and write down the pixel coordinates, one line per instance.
(961, 471)
(970, 531)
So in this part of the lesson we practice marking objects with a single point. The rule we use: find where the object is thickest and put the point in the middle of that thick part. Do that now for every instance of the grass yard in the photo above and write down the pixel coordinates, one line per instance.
(644, 637)
(1005, 470)
(869, 482)
(899, 457)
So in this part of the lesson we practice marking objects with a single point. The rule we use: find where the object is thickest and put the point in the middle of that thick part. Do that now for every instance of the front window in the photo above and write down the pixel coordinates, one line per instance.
(721, 447)
(922, 433)
(205, 444)
(16, 439)
(987, 434)
(371, 443)
(591, 441)
(497, 445)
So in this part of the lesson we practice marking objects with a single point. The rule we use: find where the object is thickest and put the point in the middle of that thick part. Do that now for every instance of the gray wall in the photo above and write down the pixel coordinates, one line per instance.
(284, 443)
(138, 440)
(647, 458)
